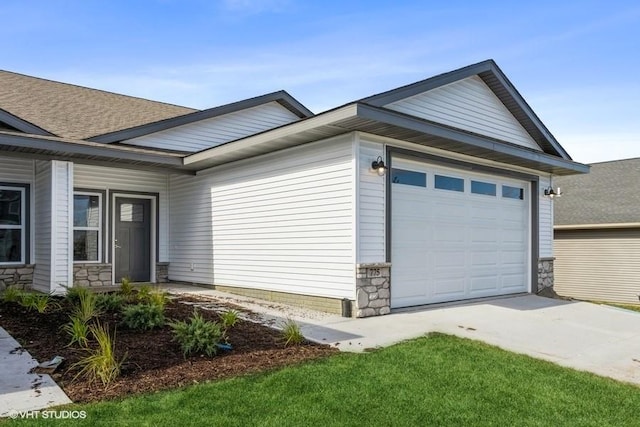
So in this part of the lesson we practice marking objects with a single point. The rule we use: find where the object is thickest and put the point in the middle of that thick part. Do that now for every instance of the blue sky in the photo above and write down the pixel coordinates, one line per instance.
(577, 63)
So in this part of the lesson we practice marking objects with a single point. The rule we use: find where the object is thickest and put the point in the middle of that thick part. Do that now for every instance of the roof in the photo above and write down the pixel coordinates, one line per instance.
(498, 82)
(45, 107)
(59, 113)
(609, 194)
(370, 115)
(282, 97)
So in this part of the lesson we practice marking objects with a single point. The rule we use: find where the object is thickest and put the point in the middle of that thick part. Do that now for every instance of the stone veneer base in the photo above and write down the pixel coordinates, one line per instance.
(20, 276)
(373, 293)
(545, 273)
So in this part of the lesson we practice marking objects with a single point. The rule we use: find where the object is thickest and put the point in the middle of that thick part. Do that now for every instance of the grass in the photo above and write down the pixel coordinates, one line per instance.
(436, 380)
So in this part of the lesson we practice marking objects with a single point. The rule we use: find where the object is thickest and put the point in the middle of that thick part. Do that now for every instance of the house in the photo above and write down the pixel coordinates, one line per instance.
(597, 233)
(427, 193)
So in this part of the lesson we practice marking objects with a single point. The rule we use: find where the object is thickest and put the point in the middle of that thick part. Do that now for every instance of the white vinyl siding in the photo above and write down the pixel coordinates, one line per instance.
(545, 212)
(42, 227)
(116, 180)
(191, 250)
(208, 133)
(16, 170)
(468, 104)
(598, 265)
(280, 222)
(62, 273)
(371, 205)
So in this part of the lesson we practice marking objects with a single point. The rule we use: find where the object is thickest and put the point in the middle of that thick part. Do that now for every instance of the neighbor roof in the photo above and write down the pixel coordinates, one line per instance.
(45, 107)
(609, 194)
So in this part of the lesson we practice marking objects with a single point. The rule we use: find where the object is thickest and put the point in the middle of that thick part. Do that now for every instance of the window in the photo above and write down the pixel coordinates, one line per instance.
(132, 212)
(449, 183)
(486, 188)
(12, 225)
(401, 176)
(87, 227)
(512, 192)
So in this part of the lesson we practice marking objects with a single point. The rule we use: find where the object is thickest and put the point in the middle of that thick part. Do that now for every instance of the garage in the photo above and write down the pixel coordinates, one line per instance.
(456, 234)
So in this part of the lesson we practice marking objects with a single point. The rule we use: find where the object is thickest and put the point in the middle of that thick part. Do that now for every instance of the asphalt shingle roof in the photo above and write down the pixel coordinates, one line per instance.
(609, 194)
(77, 112)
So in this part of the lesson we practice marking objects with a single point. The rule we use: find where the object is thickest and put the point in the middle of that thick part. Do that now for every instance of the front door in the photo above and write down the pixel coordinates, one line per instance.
(132, 242)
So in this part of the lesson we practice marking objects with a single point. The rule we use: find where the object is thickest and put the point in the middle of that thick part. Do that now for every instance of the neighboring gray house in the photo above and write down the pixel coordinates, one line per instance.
(264, 198)
(597, 233)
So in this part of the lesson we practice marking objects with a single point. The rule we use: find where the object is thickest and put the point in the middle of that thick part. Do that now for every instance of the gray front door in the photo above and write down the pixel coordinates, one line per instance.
(132, 242)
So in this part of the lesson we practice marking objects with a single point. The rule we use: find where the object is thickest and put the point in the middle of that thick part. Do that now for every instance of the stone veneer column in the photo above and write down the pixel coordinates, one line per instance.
(545, 273)
(373, 297)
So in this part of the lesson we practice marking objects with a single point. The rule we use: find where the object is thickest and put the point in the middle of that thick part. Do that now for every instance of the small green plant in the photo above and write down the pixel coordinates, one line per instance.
(27, 300)
(101, 364)
(86, 307)
(43, 303)
(74, 293)
(77, 330)
(144, 293)
(291, 333)
(110, 302)
(229, 319)
(197, 335)
(143, 316)
(126, 287)
(158, 297)
(12, 294)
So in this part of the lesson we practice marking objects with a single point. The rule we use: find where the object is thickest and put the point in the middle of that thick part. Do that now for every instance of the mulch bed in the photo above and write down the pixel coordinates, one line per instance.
(153, 361)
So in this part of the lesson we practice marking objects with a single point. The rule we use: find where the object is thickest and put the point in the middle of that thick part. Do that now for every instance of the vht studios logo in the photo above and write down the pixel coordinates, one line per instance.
(50, 415)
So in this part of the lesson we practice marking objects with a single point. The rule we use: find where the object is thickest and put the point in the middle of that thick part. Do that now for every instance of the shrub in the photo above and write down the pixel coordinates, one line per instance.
(291, 333)
(77, 330)
(12, 294)
(143, 317)
(86, 307)
(126, 287)
(101, 363)
(197, 335)
(112, 302)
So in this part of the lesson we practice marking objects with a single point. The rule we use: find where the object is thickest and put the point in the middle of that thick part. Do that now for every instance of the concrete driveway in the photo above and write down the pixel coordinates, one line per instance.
(584, 336)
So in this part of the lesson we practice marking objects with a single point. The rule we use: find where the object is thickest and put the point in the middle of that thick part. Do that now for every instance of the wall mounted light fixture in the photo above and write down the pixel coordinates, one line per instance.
(551, 193)
(379, 166)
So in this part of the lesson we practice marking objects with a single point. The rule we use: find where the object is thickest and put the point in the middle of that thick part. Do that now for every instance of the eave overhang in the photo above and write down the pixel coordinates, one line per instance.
(386, 123)
(43, 147)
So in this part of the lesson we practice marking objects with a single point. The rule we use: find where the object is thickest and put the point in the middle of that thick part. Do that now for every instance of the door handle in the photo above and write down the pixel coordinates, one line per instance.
(115, 244)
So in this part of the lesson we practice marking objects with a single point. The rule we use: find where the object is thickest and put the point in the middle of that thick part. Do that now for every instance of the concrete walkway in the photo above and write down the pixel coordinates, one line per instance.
(21, 390)
(600, 339)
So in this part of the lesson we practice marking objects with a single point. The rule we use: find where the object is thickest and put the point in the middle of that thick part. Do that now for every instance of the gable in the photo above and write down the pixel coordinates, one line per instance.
(207, 133)
(467, 104)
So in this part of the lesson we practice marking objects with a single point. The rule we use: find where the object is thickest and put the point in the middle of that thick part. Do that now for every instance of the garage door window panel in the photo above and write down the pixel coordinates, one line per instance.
(484, 188)
(407, 177)
(509, 192)
(450, 183)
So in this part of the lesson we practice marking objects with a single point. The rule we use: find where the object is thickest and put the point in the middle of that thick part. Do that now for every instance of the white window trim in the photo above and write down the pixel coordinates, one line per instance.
(22, 227)
(98, 228)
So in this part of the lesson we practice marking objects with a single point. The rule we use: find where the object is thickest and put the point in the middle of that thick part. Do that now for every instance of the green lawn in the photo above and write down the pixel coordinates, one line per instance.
(436, 380)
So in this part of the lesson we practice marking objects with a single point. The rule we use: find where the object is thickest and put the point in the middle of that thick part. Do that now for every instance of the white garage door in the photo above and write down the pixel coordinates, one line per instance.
(456, 235)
